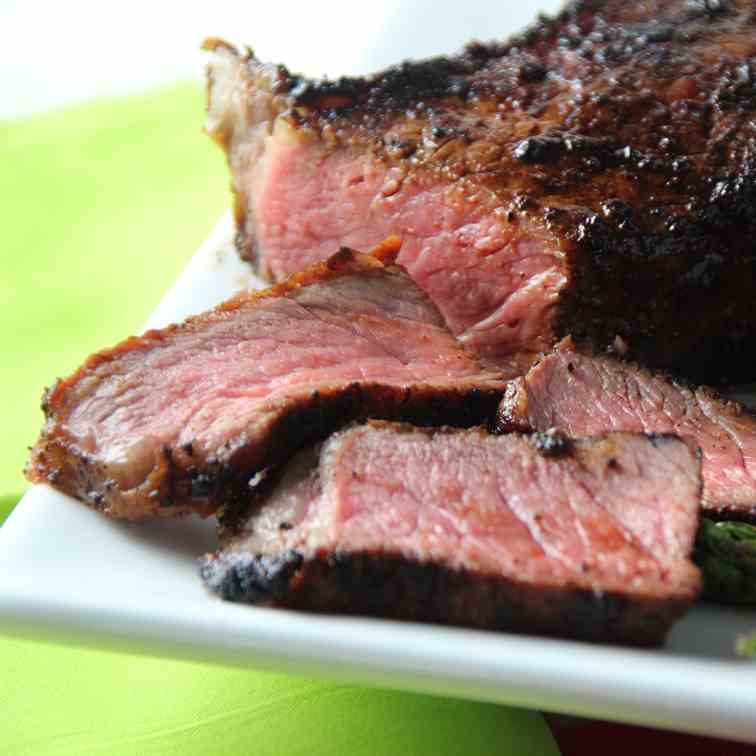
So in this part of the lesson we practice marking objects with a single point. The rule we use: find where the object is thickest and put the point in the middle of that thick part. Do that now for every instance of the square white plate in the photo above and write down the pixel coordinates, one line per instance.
(69, 574)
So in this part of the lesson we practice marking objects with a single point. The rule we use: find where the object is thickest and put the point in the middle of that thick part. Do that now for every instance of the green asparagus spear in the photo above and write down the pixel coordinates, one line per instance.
(746, 645)
(726, 555)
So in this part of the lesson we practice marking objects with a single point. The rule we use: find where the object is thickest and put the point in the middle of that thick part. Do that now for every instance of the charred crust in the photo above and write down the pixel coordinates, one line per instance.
(202, 485)
(238, 498)
(396, 89)
(96, 498)
(250, 579)
(551, 443)
(58, 461)
(512, 413)
(340, 260)
(388, 585)
(707, 8)
(728, 513)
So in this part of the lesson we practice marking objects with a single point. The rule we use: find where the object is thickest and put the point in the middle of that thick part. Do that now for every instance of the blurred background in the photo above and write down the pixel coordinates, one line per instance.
(107, 182)
(57, 53)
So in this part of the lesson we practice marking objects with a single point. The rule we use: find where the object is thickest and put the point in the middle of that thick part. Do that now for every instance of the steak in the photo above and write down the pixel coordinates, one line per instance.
(180, 419)
(584, 395)
(593, 176)
(586, 539)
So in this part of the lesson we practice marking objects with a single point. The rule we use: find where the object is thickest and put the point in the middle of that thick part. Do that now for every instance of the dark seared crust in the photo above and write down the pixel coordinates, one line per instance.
(183, 481)
(626, 128)
(387, 585)
(730, 514)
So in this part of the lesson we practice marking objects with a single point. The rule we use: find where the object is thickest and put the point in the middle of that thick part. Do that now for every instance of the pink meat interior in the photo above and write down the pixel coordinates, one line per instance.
(228, 374)
(584, 395)
(621, 511)
(495, 282)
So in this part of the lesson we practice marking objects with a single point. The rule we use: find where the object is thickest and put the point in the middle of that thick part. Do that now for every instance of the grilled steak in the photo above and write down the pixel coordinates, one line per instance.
(177, 419)
(583, 395)
(586, 539)
(594, 176)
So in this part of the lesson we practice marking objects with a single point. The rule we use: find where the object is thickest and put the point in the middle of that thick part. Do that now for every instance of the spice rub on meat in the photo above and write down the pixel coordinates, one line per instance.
(180, 419)
(594, 176)
(587, 539)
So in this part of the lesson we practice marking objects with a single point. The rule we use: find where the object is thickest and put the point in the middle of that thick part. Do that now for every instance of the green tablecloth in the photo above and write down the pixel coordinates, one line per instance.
(102, 204)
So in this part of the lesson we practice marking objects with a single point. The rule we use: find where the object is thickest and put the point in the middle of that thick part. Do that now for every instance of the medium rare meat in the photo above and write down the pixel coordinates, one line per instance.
(586, 539)
(180, 419)
(593, 176)
(583, 395)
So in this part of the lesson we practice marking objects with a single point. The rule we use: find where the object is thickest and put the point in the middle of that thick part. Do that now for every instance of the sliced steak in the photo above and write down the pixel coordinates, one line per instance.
(177, 419)
(584, 395)
(586, 539)
(594, 176)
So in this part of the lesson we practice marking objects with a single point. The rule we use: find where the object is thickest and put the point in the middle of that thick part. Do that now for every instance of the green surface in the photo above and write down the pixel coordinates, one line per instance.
(6, 504)
(102, 205)
(746, 645)
(65, 701)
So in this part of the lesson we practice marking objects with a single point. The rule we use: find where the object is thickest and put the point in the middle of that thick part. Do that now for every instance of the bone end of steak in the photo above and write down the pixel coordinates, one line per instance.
(181, 419)
(588, 539)
(582, 394)
(229, 72)
(244, 98)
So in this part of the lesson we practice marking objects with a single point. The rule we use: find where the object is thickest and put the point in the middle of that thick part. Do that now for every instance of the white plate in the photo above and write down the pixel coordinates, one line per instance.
(67, 573)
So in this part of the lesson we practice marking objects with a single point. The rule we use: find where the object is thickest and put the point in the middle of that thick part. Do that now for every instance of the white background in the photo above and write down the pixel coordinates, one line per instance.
(52, 53)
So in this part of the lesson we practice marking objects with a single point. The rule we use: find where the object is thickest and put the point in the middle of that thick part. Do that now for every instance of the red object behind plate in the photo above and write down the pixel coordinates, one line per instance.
(579, 737)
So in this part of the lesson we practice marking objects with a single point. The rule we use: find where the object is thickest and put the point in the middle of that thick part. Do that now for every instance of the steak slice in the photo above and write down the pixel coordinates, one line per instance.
(586, 539)
(177, 419)
(583, 395)
(593, 176)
